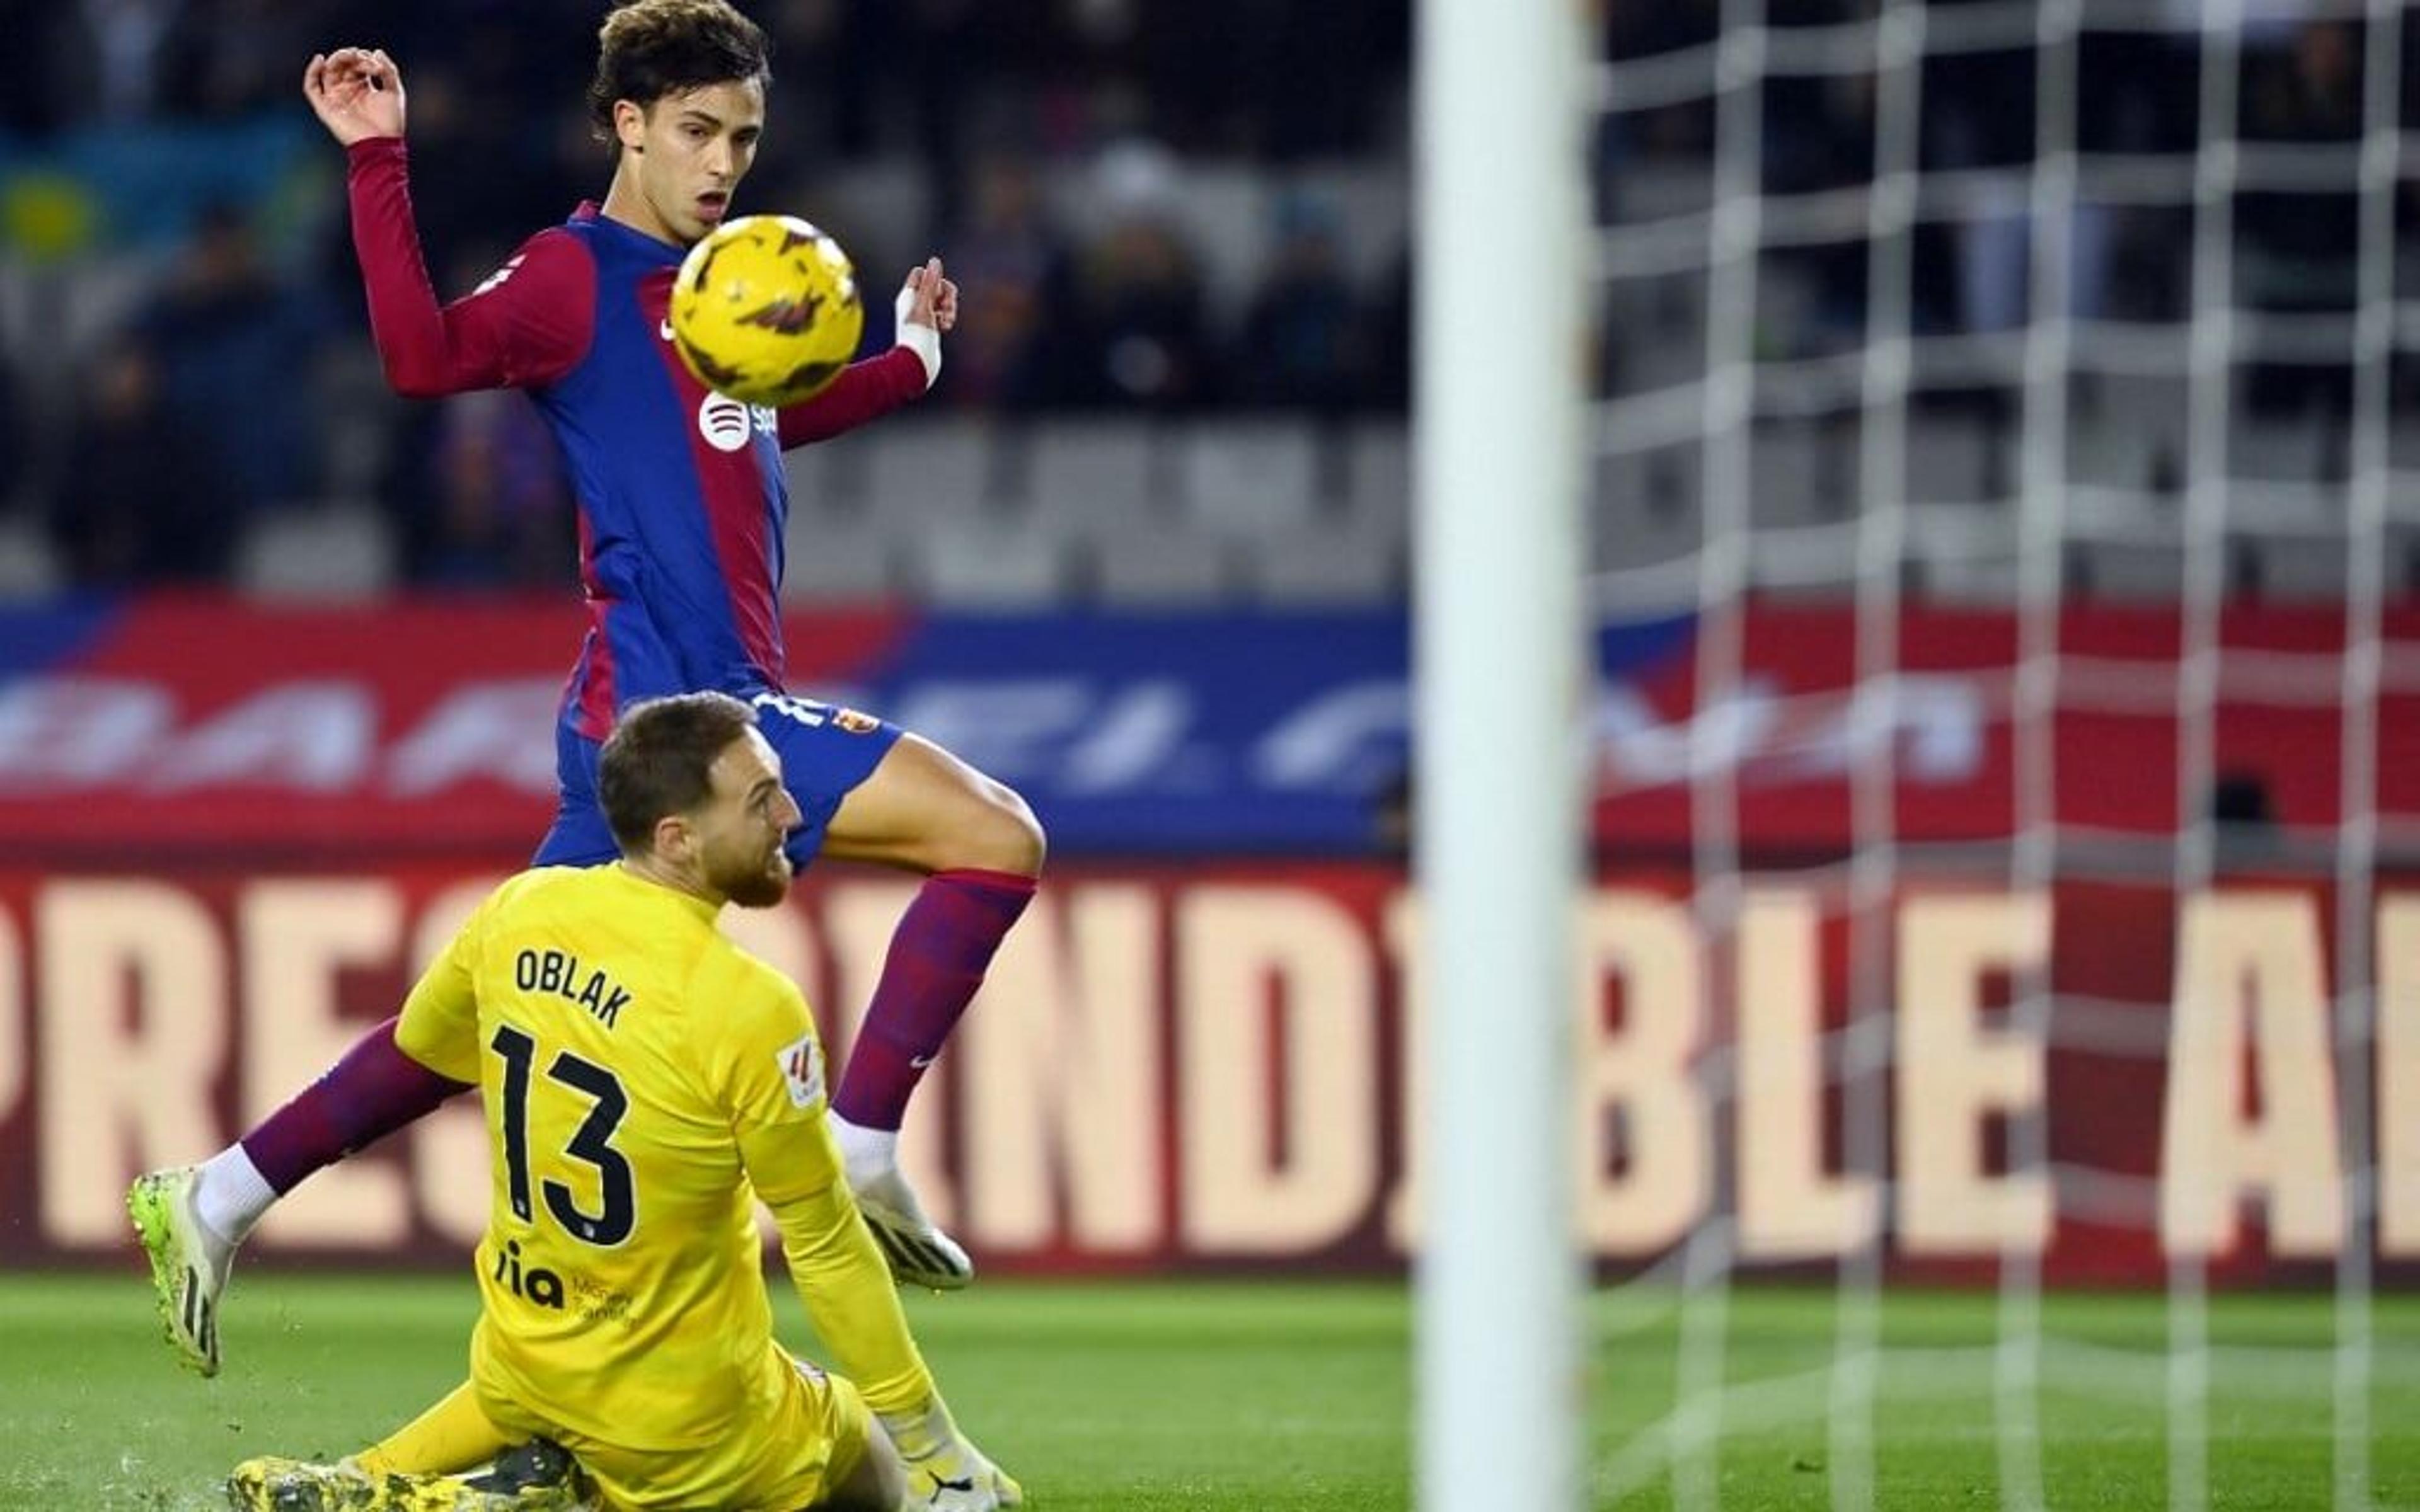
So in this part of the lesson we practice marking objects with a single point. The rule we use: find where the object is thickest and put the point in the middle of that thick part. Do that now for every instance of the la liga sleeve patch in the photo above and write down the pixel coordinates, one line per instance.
(803, 1069)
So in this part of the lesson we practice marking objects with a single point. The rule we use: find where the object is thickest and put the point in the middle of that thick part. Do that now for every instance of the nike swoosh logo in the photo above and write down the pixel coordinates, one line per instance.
(919, 1062)
(666, 331)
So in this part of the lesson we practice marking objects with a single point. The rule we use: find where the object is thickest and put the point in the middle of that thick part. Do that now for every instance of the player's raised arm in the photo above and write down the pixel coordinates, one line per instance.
(529, 324)
(927, 306)
(357, 93)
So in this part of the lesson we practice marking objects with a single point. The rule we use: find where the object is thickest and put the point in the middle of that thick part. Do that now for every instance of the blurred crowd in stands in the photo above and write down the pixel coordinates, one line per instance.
(1041, 146)
(1153, 207)
(2137, 101)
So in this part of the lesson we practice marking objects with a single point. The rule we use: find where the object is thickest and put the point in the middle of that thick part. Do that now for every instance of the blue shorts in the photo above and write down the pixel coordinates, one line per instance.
(826, 752)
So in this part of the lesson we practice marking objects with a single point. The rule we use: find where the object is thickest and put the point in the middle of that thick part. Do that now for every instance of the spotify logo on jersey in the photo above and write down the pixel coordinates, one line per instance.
(724, 422)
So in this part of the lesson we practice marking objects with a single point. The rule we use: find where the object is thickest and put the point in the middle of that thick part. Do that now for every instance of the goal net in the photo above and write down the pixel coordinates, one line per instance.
(2002, 579)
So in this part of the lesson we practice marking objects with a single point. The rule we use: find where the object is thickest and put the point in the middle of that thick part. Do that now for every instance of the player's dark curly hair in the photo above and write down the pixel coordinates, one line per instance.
(657, 761)
(649, 49)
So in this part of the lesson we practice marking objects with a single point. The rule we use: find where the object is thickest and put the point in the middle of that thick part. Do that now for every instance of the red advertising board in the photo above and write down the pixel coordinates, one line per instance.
(1217, 1065)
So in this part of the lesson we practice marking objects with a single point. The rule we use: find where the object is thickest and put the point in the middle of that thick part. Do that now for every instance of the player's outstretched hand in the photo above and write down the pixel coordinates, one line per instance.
(927, 306)
(357, 93)
(928, 298)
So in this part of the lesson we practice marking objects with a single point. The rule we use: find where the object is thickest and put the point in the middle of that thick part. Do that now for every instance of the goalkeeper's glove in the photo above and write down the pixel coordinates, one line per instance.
(945, 1473)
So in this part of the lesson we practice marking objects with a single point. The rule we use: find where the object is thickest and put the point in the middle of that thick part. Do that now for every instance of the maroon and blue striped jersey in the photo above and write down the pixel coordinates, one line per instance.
(680, 491)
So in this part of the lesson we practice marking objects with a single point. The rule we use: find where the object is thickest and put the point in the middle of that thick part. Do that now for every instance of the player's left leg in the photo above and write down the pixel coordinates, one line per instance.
(450, 1458)
(869, 792)
(453, 1435)
(191, 1218)
(271, 1483)
(980, 851)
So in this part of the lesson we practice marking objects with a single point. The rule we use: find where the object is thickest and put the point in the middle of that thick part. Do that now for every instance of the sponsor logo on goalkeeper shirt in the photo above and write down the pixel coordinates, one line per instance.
(533, 1284)
(596, 1303)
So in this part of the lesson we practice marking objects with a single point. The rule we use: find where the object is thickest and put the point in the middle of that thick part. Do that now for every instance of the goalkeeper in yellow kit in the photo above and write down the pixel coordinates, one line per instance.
(642, 1077)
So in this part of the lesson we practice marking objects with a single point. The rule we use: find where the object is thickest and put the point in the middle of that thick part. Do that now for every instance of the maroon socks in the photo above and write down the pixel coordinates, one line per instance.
(374, 1090)
(939, 955)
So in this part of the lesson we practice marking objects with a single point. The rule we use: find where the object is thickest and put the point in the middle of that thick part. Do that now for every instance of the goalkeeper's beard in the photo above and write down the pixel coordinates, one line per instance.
(761, 884)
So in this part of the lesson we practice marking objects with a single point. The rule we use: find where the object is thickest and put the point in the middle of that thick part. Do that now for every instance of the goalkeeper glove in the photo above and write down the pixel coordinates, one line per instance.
(945, 1473)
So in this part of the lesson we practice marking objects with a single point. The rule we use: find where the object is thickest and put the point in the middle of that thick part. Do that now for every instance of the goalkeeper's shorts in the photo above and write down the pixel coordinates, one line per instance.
(799, 1456)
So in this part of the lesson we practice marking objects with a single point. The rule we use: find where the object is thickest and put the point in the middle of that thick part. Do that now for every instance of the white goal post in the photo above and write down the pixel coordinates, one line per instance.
(1501, 322)
(2034, 309)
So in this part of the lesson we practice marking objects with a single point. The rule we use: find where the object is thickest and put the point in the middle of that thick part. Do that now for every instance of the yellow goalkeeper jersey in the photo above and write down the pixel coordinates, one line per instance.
(642, 1075)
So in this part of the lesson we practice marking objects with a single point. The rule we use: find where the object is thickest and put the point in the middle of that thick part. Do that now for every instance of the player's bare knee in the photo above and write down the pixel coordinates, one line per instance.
(926, 811)
(1009, 838)
(991, 829)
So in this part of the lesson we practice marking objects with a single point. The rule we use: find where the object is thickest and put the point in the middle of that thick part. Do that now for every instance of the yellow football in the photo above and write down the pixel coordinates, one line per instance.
(765, 310)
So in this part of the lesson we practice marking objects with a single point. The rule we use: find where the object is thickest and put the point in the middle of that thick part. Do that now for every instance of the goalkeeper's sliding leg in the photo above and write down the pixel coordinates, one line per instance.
(450, 1458)
(453, 1459)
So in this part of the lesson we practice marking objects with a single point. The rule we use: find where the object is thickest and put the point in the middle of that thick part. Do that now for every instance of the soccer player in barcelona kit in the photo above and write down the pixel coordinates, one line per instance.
(642, 1076)
(681, 555)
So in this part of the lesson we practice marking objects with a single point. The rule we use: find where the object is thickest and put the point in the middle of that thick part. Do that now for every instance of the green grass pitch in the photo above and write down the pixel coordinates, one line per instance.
(1266, 1396)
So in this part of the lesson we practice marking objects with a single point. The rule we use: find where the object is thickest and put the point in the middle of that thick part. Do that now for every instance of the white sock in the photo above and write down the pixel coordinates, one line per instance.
(231, 1195)
(866, 1153)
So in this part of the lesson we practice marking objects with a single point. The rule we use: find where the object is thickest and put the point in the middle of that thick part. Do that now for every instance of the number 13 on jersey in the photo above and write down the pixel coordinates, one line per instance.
(591, 1144)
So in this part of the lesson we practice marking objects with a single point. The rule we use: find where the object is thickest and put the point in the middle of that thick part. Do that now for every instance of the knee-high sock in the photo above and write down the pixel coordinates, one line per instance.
(939, 955)
(371, 1093)
(449, 1438)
